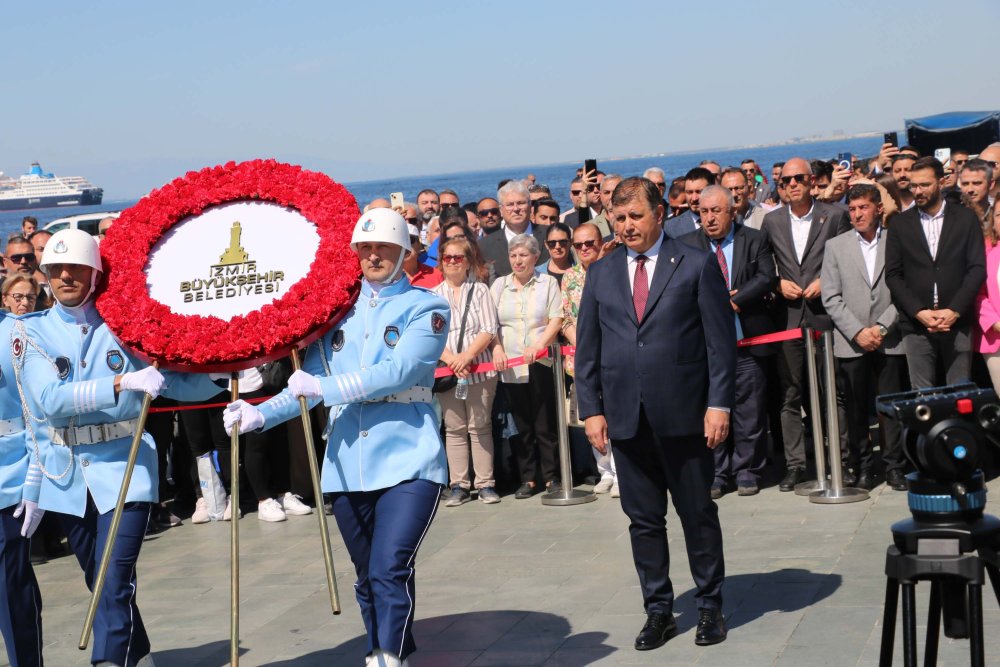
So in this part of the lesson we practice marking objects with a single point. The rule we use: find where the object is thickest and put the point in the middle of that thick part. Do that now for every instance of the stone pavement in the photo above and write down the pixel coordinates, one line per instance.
(524, 584)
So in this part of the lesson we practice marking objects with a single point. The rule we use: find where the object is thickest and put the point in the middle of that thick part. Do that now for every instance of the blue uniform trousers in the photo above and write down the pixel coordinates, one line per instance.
(20, 600)
(383, 530)
(119, 635)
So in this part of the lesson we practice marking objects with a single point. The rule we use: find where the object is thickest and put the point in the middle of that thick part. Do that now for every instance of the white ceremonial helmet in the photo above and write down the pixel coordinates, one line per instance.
(381, 225)
(72, 246)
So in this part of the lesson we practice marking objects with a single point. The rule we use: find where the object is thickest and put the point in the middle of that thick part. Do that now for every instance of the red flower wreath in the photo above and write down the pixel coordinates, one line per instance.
(193, 342)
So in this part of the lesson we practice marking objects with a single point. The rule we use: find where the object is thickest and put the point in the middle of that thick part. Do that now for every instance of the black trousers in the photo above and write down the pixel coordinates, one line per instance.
(950, 351)
(742, 457)
(795, 395)
(534, 410)
(649, 466)
(861, 379)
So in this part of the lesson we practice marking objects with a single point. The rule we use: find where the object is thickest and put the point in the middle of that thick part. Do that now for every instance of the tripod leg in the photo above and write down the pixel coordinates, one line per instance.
(889, 622)
(994, 579)
(910, 624)
(977, 657)
(933, 625)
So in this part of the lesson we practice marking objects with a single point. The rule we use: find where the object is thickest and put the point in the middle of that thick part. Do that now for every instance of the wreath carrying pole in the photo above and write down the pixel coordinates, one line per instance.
(116, 518)
(234, 541)
(324, 534)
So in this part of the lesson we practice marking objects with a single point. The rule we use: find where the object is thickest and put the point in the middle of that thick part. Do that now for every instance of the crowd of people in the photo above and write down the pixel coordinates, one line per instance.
(898, 255)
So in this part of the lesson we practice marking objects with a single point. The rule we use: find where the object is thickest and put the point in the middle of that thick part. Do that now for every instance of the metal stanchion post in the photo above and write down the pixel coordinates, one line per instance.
(836, 494)
(815, 414)
(234, 532)
(567, 495)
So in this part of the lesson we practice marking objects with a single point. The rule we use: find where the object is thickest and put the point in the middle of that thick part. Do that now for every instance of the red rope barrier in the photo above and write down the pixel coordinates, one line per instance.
(567, 351)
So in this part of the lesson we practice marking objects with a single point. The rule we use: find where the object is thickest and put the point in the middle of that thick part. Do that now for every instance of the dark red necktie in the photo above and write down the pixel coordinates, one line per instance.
(722, 261)
(640, 287)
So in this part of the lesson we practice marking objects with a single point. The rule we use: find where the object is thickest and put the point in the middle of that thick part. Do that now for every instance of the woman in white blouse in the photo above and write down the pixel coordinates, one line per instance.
(529, 309)
(469, 418)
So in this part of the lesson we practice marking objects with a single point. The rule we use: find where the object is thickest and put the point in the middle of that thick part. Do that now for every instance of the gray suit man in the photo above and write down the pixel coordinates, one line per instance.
(867, 341)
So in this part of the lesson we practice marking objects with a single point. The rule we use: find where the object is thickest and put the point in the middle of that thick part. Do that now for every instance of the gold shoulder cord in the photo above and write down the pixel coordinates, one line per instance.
(30, 419)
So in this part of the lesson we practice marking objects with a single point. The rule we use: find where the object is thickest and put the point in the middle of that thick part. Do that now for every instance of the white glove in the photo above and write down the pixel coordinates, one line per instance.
(304, 384)
(32, 517)
(148, 380)
(249, 417)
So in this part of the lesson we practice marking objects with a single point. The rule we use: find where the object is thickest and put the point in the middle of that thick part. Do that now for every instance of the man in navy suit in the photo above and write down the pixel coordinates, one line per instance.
(655, 371)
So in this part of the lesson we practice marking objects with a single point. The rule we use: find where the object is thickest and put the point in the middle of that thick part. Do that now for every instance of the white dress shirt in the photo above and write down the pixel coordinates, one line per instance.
(932, 228)
(869, 251)
(510, 233)
(650, 255)
(800, 231)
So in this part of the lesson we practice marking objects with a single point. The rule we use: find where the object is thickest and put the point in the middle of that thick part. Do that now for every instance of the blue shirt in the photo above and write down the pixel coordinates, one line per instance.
(388, 343)
(727, 252)
(70, 360)
(20, 476)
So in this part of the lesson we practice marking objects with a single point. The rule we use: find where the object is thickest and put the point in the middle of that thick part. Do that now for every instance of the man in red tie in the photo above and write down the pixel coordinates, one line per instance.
(655, 367)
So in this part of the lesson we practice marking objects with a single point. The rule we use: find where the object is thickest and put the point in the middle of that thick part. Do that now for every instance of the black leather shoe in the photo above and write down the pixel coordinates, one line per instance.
(711, 627)
(848, 477)
(866, 481)
(896, 479)
(525, 491)
(659, 629)
(793, 477)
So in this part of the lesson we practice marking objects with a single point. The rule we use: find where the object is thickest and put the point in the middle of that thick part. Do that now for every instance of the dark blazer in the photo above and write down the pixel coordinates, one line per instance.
(959, 269)
(680, 360)
(828, 222)
(494, 249)
(679, 226)
(752, 274)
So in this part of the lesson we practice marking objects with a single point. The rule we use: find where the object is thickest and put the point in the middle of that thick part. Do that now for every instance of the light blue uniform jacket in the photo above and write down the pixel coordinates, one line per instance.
(20, 475)
(70, 363)
(387, 344)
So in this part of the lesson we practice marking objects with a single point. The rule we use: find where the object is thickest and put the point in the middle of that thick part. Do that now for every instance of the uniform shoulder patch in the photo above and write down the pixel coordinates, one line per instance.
(116, 361)
(437, 322)
(62, 367)
(391, 336)
(337, 341)
(17, 346)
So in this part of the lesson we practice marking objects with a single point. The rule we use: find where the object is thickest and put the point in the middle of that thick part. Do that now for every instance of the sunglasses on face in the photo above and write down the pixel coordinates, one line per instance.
(22, 257)
(580, 245)
(453, 259)
(798, 178)
(593, 188)
(558, 243)
(488, 211)
(576, 193)
(448, 205)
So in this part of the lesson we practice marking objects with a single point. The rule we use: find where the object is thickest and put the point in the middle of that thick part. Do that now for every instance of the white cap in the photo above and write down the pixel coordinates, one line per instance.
(72, 246)
(381, 225)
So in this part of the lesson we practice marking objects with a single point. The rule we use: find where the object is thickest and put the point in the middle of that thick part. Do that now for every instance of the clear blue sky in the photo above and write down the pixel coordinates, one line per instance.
(133, 94)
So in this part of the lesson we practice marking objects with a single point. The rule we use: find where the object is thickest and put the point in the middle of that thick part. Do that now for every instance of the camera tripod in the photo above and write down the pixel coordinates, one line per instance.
(951, 543)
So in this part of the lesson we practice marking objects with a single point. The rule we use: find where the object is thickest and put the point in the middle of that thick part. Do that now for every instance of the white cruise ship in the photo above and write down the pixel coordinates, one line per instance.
(37, 189)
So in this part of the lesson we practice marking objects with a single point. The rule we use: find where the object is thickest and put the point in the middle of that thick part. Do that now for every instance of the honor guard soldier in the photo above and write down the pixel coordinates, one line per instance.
(385, 464)
(90, 391)
(20, 478)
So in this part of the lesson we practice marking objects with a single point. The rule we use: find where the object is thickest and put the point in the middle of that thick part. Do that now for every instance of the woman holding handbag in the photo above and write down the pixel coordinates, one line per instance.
(467, 403)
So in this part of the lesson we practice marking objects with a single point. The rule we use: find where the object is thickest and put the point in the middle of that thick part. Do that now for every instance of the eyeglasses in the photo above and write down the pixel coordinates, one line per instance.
(18, 298)
(22, 257)
(580, 245)
(558, 243)
(798, 178)
(515, 204)
(594, 187)
(452, 259)
(576, 193)
(487, 212)
(662, 186)
(445, 205)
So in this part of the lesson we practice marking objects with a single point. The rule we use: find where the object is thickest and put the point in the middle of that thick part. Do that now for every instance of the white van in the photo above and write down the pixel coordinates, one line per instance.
(88, 222)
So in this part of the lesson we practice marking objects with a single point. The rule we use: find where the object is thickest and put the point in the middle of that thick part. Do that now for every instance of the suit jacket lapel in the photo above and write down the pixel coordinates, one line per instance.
(739, 256)
(819, 220)
(666, 264)
(619, 272)
(946, 230)
(879, 259)
(858, 257)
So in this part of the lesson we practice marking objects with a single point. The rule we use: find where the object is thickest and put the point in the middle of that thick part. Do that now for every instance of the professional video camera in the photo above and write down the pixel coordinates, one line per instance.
(949, 540)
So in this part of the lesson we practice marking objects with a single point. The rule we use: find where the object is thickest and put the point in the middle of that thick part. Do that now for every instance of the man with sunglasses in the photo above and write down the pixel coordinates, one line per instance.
(798, 233)
(20, 259)
(991, 156)
(488, 211)
(603, 219)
